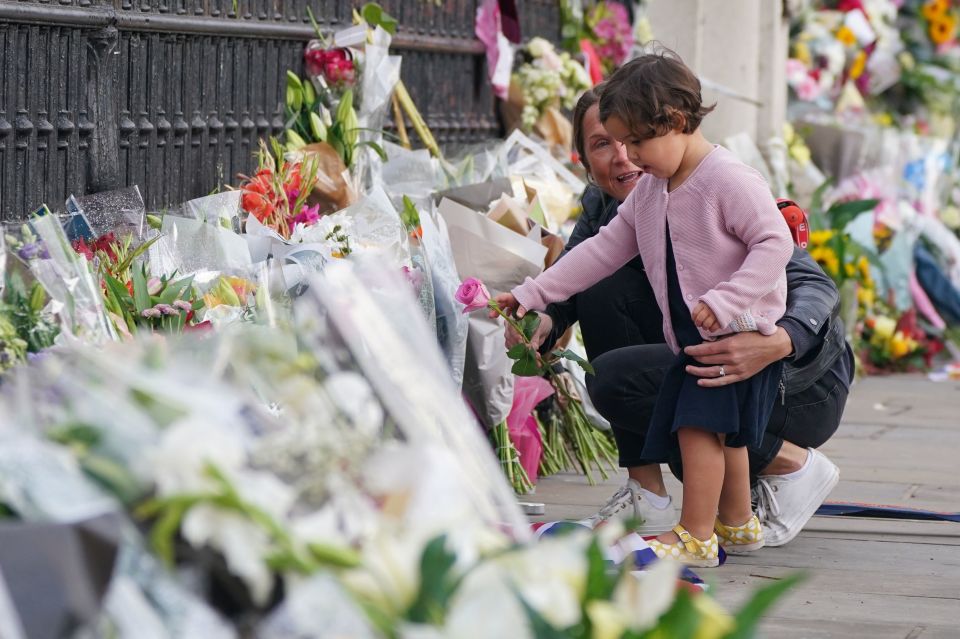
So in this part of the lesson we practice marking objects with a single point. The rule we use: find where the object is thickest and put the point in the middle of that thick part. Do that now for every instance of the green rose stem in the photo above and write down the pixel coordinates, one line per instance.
(590, 447)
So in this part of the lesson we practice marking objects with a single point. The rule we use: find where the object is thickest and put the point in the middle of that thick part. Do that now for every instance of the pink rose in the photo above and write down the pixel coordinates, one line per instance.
(473, 295)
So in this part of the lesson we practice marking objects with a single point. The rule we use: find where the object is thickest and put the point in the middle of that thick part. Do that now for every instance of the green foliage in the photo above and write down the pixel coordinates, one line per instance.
(23, 308)
(573, 357)
(374, 15)
(438, 583)
(410, 216)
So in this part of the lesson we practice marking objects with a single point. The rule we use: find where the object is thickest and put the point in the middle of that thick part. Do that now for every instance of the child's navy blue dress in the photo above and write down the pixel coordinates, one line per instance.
(740, 410)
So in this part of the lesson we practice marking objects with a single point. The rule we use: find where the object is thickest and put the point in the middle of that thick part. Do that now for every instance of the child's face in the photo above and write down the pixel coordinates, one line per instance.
(659, 156)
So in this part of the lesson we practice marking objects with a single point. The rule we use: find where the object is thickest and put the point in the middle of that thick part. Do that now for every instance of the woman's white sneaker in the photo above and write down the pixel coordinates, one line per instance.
(629, 503)
(785, 504)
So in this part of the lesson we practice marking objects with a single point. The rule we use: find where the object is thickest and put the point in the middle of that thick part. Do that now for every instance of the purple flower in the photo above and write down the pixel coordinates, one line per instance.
(183, 305)
(151, 312)
(29, 251)
(166, 309)
(307, 216)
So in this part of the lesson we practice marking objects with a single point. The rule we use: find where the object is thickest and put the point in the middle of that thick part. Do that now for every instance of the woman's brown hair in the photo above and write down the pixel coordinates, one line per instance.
(587, 100)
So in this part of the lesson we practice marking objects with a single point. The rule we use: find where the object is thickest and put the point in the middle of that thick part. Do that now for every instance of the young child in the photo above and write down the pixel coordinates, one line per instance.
(715, 249)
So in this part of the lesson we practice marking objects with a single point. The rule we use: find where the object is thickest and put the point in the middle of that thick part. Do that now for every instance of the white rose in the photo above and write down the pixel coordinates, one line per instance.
(539, 46)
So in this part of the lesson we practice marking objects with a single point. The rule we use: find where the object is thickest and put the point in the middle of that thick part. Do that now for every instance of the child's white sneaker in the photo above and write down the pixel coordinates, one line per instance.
(629, 502)
(785, 503)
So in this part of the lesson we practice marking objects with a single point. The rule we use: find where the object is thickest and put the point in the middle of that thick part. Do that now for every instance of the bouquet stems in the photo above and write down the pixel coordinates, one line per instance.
(555, 456)
(587, 446)
(401, 125)
(590, 447)
(510, 460)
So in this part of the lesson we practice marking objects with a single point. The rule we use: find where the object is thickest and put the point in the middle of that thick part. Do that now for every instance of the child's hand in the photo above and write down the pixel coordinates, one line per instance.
(704, 318)
(508, 303)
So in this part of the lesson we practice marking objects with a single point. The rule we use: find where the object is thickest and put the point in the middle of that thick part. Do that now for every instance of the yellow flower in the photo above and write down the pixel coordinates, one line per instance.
(846, 35)
(942, 29)
(863, 265)
(859, 64)
(883, 119)
(788, 132)
(819, 238)
(950, 215)
(899, 345)
(827, 258)
(229, 291)
(907, 61)
(883, 327)
(802, 53)
(866, 297)
(800, 152)
(932, 9)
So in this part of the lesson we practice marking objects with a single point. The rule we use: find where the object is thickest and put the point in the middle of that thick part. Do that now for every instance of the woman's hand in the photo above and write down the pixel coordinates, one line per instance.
(508, 304)
(738, 357)
(543, 331)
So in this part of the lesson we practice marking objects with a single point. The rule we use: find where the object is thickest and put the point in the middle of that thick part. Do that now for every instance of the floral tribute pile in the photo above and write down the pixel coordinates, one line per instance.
(244, 416)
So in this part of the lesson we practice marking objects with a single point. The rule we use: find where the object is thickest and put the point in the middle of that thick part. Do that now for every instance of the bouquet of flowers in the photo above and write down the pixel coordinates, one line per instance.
(610, 30)
(317, 467)
(545, 80)
(276, 195)
(72, 285)
(895, 345)
(27, 323)
(581, 444)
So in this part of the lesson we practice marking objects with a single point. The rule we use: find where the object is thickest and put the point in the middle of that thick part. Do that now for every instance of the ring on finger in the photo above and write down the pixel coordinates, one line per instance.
(722, 372)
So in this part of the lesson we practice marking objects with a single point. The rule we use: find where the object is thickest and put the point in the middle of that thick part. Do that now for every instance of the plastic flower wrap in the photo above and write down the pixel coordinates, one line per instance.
(29, 322)
(72, 285)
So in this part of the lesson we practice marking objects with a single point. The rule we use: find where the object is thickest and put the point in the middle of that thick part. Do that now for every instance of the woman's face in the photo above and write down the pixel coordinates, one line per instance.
(609, 166)
(659, 156)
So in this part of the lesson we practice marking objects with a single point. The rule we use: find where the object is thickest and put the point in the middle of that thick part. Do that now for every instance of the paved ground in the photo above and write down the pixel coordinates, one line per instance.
(899, 444)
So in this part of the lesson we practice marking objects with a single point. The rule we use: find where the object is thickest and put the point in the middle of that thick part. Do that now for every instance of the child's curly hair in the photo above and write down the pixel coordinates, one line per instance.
(654, 94)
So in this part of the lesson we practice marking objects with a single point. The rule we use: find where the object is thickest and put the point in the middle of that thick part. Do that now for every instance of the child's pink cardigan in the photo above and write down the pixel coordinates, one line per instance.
(730, 242)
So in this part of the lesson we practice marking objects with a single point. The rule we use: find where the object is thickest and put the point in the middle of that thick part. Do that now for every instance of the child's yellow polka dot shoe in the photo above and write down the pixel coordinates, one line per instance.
(740, 539)
(689, 550)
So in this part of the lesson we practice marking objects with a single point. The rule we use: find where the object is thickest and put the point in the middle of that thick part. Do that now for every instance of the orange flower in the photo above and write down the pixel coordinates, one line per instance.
(943, 29)
(933, 9)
